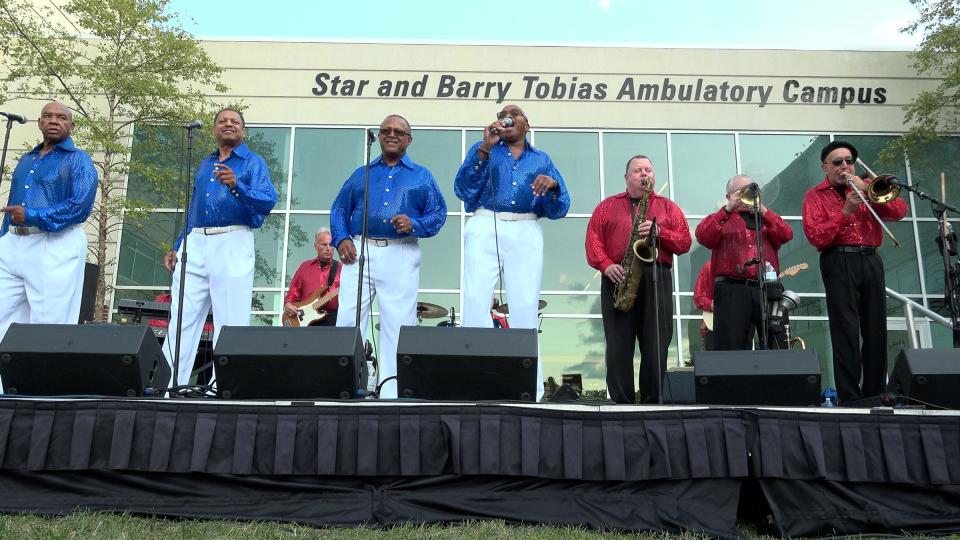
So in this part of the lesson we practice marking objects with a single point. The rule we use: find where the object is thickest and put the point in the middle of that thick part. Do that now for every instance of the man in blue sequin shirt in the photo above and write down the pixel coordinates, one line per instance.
(232, 194)
(43, 246)
(405, 204)
(508, 185)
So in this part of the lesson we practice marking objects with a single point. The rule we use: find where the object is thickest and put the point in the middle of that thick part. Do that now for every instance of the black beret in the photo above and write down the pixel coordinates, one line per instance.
(833, 146)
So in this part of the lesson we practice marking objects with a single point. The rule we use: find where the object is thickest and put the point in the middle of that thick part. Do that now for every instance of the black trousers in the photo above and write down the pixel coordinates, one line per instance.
(737, 318)
(856, 305)
(624, 329)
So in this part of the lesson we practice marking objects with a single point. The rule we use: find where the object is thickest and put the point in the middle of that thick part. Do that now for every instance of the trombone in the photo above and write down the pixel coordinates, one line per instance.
(881, 190)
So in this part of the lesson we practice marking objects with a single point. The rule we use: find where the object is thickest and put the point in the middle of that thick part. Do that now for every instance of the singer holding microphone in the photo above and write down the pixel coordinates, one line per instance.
(43, 246)
(608, 233)
(508, 185)
(232, 194)
(841, 227)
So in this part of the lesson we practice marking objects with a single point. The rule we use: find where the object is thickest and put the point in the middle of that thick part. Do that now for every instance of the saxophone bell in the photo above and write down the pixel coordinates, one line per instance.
(646, 249)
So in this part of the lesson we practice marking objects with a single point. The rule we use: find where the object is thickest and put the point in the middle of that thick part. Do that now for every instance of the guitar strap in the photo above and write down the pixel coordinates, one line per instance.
(334, 266)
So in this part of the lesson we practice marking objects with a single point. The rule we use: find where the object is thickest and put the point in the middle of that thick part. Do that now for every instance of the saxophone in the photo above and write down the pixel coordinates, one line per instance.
(636, 259)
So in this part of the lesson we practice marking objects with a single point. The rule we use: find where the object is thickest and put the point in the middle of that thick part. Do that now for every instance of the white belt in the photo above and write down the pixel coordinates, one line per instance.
(20, 230)
(383, 242)
(505, 216)
(220, 230)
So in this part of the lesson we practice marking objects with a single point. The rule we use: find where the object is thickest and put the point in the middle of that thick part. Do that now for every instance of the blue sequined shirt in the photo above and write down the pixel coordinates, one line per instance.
(503, 184)
(406, 188)
(247, 203)
(57, 190)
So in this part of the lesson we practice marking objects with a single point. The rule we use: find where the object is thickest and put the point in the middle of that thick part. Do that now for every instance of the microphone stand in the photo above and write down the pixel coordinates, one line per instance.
(361, 262)
(951, 271)
(6, 141)
(183, 257)
(761, 271)
(654, 239)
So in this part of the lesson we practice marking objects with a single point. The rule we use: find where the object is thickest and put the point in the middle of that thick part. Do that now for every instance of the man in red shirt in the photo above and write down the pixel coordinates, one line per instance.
(703, 300)
(841, 227)
(731, 234)
(608, 232)
(313, 274)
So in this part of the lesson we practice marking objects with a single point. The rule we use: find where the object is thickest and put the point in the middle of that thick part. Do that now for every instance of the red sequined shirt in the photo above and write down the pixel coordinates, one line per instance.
(826, 226)
(703, 292)
(609, 230)
(733, 244)
(310, 277)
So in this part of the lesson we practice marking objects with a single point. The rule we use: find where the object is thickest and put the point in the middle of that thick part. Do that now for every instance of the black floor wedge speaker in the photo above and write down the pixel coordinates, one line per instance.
(467, 364)
(93, 359)
(270, 362)
(928, 375)
(778, 377)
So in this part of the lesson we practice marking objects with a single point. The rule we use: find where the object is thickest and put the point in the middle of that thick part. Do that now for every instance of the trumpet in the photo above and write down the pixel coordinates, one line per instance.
(750, 195)
(881, 194)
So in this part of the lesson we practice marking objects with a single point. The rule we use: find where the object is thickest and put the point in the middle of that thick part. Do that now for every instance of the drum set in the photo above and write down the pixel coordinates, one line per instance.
(426, 310)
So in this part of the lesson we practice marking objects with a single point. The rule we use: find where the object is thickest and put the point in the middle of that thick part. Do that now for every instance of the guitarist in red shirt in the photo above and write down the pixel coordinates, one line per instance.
(312, 297)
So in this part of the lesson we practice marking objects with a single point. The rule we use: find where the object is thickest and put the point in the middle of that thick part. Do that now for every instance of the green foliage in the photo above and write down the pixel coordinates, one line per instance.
(117, 64)
(933, 113)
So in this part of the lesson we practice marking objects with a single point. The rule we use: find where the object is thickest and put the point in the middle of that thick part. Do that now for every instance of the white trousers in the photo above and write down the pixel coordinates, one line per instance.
(394, 271)
(41, 277)
(219, 275)
(520, 245)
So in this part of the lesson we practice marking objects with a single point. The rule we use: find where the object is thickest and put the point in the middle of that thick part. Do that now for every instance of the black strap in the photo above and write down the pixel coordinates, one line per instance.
(334, 264)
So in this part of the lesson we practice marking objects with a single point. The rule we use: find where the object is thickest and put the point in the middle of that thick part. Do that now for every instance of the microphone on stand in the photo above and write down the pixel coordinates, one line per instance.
(507, 121)
(192, 125)
(370, 136)
(15, 117)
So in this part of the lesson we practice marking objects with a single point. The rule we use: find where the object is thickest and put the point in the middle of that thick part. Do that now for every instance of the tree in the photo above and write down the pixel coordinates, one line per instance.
(933, 113)
(116, 64)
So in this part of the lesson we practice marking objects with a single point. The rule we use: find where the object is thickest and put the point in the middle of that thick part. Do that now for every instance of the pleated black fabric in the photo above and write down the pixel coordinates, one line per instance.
(351, 440)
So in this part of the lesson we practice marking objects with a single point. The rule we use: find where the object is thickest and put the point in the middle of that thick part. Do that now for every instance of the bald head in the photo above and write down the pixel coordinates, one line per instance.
(55, 122)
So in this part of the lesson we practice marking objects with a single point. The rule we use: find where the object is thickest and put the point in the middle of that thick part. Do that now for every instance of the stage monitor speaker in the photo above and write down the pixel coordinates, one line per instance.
(928, 375)
(88, 297)
(467, 364)
(777, 377)
(93, 359)
(679, 387)
(275, 362)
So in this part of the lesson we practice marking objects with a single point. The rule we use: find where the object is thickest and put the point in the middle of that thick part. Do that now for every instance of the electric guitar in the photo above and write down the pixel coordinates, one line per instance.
(792, 271)
(310, 310)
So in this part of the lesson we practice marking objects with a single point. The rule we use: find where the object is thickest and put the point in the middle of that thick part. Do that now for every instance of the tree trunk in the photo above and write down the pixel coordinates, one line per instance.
(102, 311)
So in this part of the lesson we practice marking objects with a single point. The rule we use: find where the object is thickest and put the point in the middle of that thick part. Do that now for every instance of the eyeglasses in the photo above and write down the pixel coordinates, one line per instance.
(840, 161)
(514, 114)
(386, 132)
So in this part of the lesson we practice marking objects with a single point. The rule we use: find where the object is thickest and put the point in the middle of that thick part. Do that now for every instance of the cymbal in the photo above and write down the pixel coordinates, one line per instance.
(504, 309)
(430, 311)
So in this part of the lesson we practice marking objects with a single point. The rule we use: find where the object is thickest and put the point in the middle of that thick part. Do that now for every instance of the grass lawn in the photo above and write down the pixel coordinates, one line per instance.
(97, 525)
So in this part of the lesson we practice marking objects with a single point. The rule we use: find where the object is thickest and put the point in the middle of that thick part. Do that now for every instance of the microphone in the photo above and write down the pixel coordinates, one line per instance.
(370, 136)
(15, 117)
(192, 125)
(654, 232)
(507, 121)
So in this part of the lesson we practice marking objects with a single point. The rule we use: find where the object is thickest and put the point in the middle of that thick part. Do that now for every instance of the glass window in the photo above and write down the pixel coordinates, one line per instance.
(577, 157)
(268, 249)
(941, 156)
(798, 251)
(156, 166)
(142, 247)
(440, 257)
(900, 263)
(303, 230)
(574, 346)
(564, 260)
(690, 263)
(439, 151)
(267, 301)
(786, 166)
(932, 258)
(323, 159)
(273, 145)
(702, 164)
(571, 304)
(619, 147)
